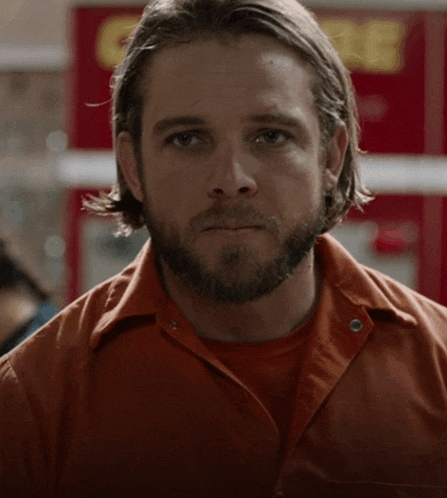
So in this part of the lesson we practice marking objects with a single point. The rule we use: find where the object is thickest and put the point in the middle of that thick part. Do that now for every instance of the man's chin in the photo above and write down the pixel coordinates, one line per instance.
(235, 264)
(236, 277)
(219, 250)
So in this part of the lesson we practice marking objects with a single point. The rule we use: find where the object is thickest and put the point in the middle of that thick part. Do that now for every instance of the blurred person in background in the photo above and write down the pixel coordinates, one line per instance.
(24, 305)
(244, 353)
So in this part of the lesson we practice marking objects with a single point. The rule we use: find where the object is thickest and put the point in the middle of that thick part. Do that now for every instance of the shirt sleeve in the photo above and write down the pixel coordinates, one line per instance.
(23, 466)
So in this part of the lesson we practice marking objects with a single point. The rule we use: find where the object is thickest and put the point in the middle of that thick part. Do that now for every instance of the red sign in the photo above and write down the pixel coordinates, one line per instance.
(385, 52)
(97, 47)
(444, 123)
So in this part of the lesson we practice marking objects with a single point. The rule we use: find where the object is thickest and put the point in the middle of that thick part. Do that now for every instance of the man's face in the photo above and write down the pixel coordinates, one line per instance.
(231, 170)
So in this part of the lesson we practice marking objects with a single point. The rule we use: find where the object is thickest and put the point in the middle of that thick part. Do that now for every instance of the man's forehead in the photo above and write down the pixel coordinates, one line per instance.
(247, 87)
(253, 60)
(222, 52)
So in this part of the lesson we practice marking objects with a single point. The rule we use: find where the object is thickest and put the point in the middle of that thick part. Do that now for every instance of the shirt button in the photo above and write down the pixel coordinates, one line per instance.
(356, 325)
(173, 325)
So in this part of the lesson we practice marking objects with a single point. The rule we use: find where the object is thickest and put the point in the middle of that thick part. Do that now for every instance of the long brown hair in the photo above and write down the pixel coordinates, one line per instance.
(169, 22)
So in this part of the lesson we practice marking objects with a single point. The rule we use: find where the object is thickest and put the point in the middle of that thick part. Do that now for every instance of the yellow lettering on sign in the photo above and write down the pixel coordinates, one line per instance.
(344, 37)
(374, 46)
(109, 40)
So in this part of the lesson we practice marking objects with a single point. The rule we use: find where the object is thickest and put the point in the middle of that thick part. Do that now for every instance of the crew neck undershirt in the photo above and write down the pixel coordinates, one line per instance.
(270, 369)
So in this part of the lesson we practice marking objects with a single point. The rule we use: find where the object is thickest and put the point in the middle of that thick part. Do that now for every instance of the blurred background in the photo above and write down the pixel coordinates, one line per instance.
(56, 59)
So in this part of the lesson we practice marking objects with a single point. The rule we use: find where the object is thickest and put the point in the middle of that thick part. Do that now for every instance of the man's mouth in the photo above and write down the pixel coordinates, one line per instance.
(233, 231)
(233, 226)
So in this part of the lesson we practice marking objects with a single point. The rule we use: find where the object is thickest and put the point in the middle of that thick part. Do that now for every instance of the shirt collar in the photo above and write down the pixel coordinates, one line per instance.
(361, 285)
(138, 291)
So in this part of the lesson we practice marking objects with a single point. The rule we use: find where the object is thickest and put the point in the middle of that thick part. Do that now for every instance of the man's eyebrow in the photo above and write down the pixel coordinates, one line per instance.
(287, 120)
(282, 119)
(171, 122)
(278, 118)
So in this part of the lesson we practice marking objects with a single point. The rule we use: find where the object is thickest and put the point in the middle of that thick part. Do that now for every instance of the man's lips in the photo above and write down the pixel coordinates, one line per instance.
(232, 225)
(232, 232)
(233, 228)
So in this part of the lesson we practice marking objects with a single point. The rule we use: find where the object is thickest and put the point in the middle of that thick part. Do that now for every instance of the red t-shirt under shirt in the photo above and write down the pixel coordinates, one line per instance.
(270, 369)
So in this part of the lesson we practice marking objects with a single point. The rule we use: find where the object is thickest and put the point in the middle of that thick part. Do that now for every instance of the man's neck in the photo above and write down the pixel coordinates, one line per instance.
(267, 318)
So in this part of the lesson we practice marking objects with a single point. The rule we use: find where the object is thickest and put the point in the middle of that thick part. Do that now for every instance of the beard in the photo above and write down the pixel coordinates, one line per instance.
(237, 276)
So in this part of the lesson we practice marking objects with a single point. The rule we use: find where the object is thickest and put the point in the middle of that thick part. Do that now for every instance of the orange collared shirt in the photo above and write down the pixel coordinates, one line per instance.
(118, 397)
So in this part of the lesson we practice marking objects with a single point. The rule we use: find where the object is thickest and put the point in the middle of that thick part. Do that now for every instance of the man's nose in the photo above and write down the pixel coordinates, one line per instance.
(232, 175)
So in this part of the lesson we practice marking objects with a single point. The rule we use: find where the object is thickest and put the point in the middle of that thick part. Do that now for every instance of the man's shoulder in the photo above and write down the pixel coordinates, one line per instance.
(56, 347)
(375, 290)
(71, 327)
(407, 299)
(74, 326)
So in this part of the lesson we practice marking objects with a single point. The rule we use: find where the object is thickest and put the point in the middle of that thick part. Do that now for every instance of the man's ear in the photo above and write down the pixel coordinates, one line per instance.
(128, 163)
(335, 158)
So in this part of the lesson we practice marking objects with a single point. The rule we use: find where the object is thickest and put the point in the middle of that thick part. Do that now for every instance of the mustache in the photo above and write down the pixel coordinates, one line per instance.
(241, 215)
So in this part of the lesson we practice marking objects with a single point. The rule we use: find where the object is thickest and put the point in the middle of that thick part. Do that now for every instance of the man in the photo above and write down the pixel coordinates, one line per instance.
(243, 353)
(24, 305)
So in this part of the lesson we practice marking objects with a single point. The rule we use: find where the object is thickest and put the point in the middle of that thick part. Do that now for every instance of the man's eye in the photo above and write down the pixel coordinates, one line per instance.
(272, 137)
(185, 139)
